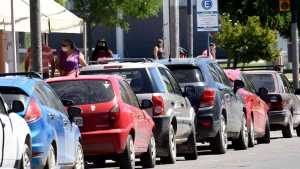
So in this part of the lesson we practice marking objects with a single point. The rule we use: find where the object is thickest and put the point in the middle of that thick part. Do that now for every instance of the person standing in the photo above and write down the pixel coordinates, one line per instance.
(101, 51)
(47, 60)
(159, 50)
(69, 59)
(212, 52)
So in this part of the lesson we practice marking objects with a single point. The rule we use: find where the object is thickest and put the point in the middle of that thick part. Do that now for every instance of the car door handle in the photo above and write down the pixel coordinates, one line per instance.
(52, 116)
(65, 122)
(173, 104)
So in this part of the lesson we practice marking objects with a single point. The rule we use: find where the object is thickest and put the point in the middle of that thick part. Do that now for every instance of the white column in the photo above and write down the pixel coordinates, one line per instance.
(166, 27)
(120, 38)
(13, 33)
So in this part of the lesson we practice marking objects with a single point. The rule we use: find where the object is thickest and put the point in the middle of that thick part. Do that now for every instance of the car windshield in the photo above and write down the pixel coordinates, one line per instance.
(187, 75)
(84, 91)
(262, 80)
(137, 78)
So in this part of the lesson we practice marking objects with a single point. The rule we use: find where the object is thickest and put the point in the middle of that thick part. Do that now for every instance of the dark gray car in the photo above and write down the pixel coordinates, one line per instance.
(220, 114)
(172, 112)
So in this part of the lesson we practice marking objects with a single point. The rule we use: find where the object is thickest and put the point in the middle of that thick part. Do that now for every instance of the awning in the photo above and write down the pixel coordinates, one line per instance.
(54, 17)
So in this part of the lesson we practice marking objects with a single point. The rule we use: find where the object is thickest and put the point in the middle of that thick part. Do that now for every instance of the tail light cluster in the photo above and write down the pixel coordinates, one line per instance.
(113, 115)
(275, 102)
(33, 112)
(208, 98)
(158, 105)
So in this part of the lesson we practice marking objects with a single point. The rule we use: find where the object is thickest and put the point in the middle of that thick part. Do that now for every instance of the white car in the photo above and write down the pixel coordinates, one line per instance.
(15, 138)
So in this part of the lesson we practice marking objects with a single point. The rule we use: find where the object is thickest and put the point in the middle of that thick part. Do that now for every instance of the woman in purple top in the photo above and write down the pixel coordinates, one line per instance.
(69, 59)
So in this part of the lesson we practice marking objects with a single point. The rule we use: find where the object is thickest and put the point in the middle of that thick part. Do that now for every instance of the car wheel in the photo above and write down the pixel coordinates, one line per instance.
(26, 158)
(148, 159)
(287, 131)
(266, 139)
(171, 158)
(192, 155)
(51, 159)
(79, 163)
(251, 137)
(241, 143)
(220, 142)
(127, 158)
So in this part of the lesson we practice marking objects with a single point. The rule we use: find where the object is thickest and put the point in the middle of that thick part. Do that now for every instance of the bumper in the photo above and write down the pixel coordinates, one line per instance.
(278, 119)
(207, 124)
(161, 134)
(104, 142)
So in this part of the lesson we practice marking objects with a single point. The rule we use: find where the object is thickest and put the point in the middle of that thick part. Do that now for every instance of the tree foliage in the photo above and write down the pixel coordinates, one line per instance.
(248, 41)
(267, 10)
(62, 2)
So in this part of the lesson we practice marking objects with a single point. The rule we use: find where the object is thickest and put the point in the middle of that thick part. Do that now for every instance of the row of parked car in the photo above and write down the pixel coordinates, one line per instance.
(126, 109)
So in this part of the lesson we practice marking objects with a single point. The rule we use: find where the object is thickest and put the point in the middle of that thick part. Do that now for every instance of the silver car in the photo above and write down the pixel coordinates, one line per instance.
(172, 112)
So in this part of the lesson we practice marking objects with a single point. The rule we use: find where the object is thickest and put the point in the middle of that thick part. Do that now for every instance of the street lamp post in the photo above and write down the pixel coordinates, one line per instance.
(295, 45)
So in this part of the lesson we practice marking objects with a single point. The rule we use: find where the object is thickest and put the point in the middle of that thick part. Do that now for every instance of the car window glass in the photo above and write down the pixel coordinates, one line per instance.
(2, 107)
(262, 80)
(248, 84)
(132, 97)
(12, 93)
(187, 74)
(41, 96)
(124, 94)
(166, 80)
(286, 83)
(222, 75)
(214, 74)
(175, 84)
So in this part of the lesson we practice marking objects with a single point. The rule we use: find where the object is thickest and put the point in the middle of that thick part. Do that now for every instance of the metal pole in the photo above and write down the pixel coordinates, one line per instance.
(13, 37)
(166, 27)
(85, 42)
(190, 30)
(295, 45)
(35, 34)
(120, 37)
(174, 28)
(208, 44)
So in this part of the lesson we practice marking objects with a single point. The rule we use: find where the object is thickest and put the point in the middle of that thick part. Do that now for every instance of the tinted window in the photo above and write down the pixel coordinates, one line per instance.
(248, 84)
(132, 97)
(53, 100)
(262, 80)
(137, 78)
(187, 75)
(84, 91)
(221, 75)
(124, 94)
(287, 86)
(166, 80)
(11, 93)
(214, 74)
(175, 85)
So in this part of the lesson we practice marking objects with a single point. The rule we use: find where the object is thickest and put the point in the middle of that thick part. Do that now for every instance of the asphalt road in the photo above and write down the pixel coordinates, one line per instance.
(279, 154)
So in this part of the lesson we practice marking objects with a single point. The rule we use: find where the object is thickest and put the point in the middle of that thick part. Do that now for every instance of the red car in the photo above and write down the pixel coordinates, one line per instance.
(257, 110)
(114, 124)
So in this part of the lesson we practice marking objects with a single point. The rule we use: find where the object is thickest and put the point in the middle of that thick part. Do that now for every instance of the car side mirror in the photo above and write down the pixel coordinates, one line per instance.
(17, 106)
(263, 93)
(67, 103)
(189, 91)
(297, 91)
(75, 116)
(146, 104)
(238, 84)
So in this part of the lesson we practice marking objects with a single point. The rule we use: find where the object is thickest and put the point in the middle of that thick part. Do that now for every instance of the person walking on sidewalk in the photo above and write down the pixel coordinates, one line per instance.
(159, 50)
(101, 51)
(47, 60)
(69, 59)
(212, 52)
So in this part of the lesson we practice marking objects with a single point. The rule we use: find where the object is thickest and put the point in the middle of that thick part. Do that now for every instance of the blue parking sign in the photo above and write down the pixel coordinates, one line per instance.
(207, 4)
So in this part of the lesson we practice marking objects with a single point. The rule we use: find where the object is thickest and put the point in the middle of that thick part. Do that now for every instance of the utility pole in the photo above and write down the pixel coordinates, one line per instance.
(35, 34)
(174, 28)
(166, 27)
(295, 44)
(190, 30)
(13, 37)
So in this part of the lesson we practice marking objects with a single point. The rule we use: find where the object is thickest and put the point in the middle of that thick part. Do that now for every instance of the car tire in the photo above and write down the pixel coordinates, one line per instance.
(171, 157)
(148, 159)
(287, 131)
(26, 158)
(51, 159)
(251, 137)
(79, 163)
(192, 155)
(266, 139)
(127, 158)
(241, 143)
(220, 142)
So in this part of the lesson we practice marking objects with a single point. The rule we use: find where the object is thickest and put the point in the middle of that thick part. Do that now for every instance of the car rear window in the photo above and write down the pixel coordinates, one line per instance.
(11, 94)
(84, 91)
(187, 74)
(137, 78)
(262, 80)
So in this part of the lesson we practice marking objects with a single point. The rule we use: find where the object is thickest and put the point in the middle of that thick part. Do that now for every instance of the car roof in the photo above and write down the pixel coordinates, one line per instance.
(260, 72)
(124, 65)
(185, 61)
(22, 82)
(84, 77)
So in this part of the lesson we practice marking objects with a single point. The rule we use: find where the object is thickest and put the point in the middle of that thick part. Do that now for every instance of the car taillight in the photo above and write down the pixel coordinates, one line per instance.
(33, 112)
(276, 102)
(113, 113)
(158, 105)
(208, 98)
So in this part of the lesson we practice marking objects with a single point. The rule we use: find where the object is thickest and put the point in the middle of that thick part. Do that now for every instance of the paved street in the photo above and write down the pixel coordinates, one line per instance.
(280, 154)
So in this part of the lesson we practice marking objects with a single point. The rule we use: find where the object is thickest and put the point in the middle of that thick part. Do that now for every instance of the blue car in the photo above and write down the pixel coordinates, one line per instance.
(55, 136)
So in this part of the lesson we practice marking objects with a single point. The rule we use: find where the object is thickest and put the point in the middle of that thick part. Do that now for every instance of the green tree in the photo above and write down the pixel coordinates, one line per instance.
(62, 2)
(247, 42)
(267, 10)
(105, 12)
